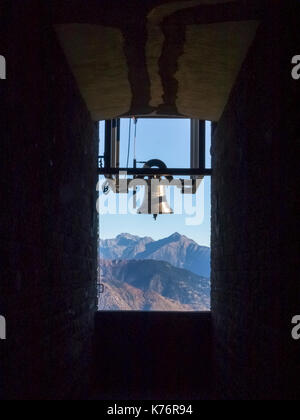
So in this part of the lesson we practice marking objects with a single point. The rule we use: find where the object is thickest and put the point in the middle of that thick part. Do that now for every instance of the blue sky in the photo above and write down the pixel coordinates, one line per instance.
(168, 140)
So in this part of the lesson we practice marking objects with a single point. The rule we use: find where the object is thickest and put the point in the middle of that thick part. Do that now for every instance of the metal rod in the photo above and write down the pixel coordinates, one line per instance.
(118, 143)
(107, 157)
(115, 143)
(129, 141)
(198, 144)
(113, 162)
(194, 143)
(202, 144)
(134, 152)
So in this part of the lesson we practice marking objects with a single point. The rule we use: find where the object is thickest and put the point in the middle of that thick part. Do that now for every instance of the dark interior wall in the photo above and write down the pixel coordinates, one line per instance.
(153, 355)
(255, 268)
(48, 213)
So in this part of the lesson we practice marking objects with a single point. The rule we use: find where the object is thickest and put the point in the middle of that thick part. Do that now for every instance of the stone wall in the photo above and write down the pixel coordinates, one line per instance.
(255, 262)
(153, 356)
(48, 213)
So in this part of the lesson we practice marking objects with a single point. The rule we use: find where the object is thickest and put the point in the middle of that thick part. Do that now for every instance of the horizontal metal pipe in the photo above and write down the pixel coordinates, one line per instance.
(155, 171)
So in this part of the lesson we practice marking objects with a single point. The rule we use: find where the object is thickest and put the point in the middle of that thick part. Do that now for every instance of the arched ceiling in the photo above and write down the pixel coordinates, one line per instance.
(156, 57)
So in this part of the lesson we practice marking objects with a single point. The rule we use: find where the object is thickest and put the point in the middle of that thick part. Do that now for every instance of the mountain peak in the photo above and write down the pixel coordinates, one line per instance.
(175, 236)
(130, 237)
(126, 236)
(178, 250)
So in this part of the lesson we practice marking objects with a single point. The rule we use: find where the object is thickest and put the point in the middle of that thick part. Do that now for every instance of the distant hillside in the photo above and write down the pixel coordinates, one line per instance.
(120, 296)
(177, 250)
(152, 285)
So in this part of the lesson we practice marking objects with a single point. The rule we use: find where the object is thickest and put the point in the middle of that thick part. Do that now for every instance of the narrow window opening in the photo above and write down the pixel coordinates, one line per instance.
(148, 264)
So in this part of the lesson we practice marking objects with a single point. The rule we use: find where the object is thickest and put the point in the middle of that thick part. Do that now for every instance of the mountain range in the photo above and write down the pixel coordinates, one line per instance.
(151, 285)
(178, 250)
(172, 274)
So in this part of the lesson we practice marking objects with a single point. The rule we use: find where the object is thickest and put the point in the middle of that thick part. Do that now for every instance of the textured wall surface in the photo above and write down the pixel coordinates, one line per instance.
(255, 263)
(156, 57)
(48, 213)
(99, 65)
(153, 355)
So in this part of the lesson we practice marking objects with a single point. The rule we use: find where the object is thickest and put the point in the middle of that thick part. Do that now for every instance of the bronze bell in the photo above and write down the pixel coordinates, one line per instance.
(155, 200)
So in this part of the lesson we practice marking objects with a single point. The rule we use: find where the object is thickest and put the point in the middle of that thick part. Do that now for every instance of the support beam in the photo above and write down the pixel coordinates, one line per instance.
(154, 171)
